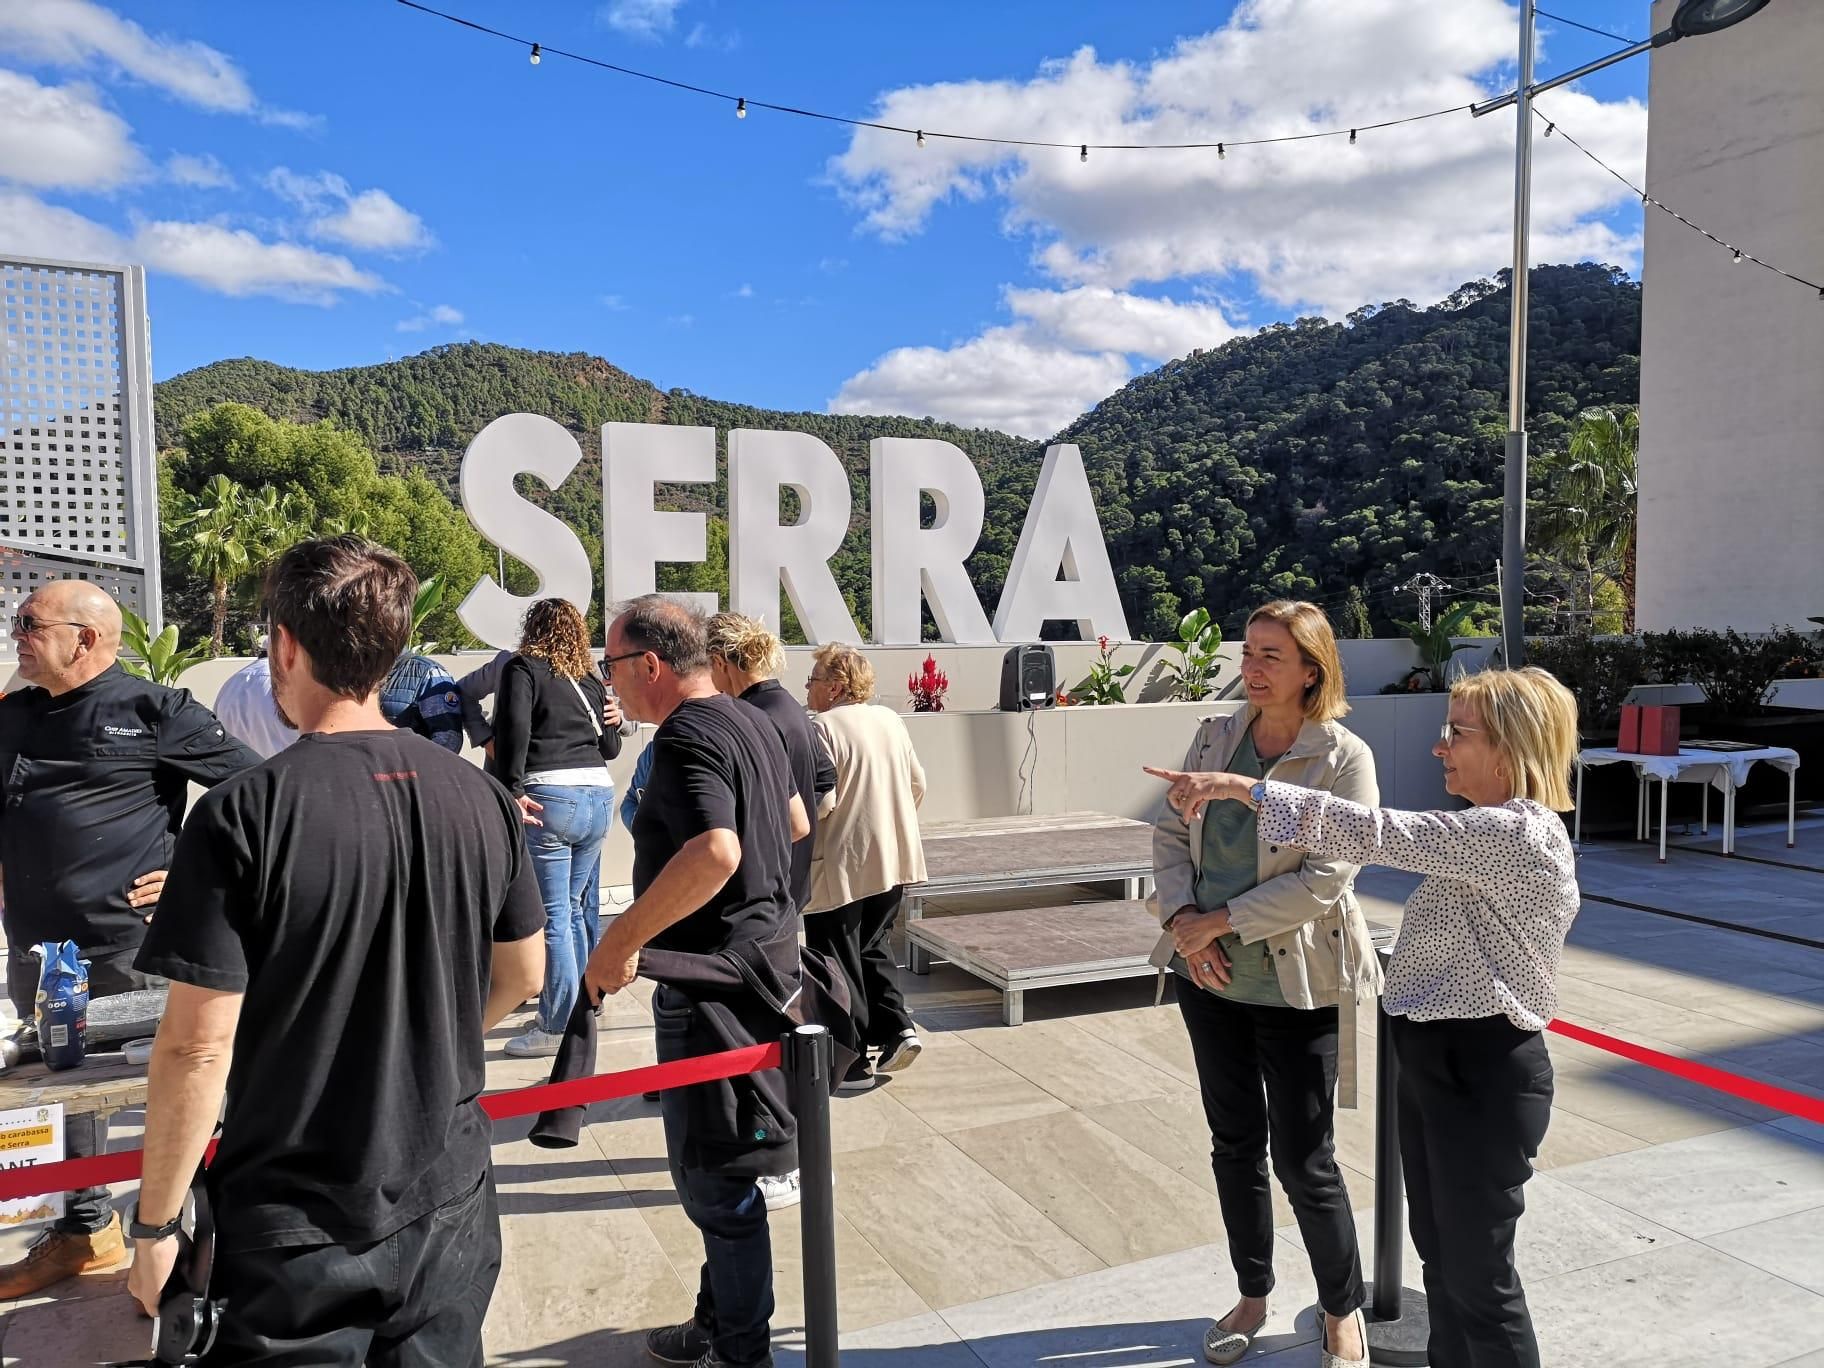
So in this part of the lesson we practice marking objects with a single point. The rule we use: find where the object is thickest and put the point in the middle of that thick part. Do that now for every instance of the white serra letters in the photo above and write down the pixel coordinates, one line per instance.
(1060, 570)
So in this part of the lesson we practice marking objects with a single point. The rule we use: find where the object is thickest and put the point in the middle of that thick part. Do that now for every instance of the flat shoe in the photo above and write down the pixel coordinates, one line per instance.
(1223, 1347)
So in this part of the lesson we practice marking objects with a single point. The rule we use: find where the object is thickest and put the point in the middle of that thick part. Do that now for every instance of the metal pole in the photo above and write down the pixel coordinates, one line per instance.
(1398, 1323)
(809, 1060)
(1513, 518)
(1503, 101)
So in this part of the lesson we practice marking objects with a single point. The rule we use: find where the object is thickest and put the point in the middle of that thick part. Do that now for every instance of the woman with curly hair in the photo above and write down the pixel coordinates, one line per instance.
(556, 727)
(867, 850)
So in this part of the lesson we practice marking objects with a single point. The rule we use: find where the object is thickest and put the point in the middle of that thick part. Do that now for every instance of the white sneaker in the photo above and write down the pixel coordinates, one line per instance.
(534, 1044)
(901, 1053)
(781, 1191)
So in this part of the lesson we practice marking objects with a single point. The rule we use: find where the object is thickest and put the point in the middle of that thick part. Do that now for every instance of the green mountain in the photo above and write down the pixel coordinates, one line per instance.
(1304, 460)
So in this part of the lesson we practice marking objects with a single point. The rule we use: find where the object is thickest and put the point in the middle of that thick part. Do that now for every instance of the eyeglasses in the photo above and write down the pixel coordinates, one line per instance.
(24, 624)
(1450, 731)
(608, 661)
(817, 679)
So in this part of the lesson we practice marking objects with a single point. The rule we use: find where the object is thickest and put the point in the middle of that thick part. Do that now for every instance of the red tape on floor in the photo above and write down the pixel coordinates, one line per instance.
(123, 1166)
(1804, 1105)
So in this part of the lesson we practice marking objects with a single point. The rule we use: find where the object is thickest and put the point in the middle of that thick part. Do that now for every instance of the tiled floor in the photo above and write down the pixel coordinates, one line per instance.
(1043, 1194)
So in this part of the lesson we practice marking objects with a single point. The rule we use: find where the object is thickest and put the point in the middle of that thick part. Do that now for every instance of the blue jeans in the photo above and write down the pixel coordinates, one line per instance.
(567, 861)
(735, 1288)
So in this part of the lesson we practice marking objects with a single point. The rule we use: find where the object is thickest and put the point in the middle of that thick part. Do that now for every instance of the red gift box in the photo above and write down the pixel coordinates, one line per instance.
(1648, 729)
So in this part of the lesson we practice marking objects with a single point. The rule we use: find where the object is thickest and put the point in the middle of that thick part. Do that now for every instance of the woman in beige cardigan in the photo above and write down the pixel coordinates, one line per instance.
(1272, 947)
(867, 850)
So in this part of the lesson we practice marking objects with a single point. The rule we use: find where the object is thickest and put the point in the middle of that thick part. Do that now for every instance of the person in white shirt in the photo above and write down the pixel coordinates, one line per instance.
(1471, 985)
(245, 707)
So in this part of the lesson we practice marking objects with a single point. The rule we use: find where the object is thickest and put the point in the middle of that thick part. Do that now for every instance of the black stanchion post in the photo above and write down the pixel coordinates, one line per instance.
(809, 1058)
(1398, 1325)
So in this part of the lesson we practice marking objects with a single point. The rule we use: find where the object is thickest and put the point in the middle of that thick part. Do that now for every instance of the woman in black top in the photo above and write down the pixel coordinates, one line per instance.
(556, 727)
(744, 660)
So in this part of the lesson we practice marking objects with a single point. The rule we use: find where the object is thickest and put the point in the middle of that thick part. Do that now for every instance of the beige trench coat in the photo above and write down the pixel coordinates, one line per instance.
(1304, 908)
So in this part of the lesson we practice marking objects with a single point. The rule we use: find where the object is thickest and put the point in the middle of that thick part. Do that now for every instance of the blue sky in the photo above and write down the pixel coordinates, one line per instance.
(335, 183)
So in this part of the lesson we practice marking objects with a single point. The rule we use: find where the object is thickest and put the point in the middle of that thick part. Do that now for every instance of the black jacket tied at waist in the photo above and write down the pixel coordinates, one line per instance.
(746, 994)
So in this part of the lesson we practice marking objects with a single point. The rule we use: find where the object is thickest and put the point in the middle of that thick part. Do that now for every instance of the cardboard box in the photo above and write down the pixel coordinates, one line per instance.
(1648, 730)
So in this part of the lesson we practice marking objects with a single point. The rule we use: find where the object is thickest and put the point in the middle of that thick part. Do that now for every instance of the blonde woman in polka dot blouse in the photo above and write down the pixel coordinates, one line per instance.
(1471, 985)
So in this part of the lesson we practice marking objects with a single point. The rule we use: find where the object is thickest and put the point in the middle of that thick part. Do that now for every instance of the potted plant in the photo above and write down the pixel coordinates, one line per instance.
(928, 687)
(1192, 676)
(1104, 683)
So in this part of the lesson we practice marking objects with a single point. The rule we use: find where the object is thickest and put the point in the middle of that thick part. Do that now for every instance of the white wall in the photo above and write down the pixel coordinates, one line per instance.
(1732, 411)
(980, 762)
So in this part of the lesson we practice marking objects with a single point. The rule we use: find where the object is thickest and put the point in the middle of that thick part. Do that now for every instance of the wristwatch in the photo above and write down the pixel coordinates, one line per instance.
(1258, 793)
(138, 1230)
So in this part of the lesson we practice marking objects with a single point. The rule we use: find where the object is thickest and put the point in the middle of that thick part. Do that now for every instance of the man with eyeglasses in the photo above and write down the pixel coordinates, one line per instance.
(95, 768)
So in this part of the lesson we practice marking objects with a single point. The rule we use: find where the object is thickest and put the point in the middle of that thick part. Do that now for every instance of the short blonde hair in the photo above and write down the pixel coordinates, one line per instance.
(848, 670)
(746, 644)
(1532, 723)
(1327, 699)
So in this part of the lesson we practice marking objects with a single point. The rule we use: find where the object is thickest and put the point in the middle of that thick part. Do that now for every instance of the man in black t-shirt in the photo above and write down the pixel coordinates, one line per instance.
(711, 876)
(344, 923)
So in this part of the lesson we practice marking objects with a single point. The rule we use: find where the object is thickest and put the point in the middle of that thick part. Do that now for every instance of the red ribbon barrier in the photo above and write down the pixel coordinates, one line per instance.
(1806, 1105)
(123, 1166)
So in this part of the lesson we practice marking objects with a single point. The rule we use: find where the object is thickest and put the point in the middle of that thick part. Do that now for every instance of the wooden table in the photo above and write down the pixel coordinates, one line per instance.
(103, 1083)
(1043, 947)
(998, 854)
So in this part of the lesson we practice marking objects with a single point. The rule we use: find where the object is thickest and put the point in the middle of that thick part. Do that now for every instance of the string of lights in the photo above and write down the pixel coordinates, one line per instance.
(1739, 255)
(538, 51)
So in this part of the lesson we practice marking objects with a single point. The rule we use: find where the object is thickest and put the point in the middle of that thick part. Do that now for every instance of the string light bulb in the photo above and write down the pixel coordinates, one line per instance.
(1739, 258)
(537, 54)
(1083, 152)
(1221, 152)
(1352, 137)
(741, 108)
(1550, 129)
(921, 137)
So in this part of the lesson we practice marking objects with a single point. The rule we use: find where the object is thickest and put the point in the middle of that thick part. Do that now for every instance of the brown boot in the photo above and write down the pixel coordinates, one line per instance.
(58, 1255)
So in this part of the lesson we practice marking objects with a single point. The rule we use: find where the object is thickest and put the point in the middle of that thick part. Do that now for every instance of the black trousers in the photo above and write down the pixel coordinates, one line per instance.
(85, 1135)
(413, 1300)
(855, 935)
(1475, 1100)
(1269, 1084)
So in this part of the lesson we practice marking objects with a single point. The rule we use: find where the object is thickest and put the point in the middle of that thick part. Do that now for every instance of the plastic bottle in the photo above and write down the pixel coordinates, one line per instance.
(63, 1004)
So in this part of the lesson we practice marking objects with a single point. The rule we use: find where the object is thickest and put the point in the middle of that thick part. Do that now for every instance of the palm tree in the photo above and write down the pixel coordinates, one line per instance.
(219, 537)
(1591, 506)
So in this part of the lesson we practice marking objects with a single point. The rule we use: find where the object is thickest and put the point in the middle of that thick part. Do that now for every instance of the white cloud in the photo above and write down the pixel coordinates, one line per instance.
(648, 19)
(1006, 378)
(368, 219)
(75, 33)
(30, 227)
(62, 136)
(376, 221)
(202, 173)
(234, 261)
(439, 316)
(1095, 318)
(1066, 351)
(615, 304)
(1410, 211)
(214, 256)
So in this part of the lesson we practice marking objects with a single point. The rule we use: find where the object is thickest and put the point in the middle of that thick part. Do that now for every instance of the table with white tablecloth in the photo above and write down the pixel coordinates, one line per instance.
(1724, 770)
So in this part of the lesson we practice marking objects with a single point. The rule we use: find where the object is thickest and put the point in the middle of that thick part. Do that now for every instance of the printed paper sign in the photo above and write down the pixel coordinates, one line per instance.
(30, 1136)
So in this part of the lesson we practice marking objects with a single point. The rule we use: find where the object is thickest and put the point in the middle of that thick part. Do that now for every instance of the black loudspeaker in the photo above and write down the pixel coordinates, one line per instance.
(1029, 679)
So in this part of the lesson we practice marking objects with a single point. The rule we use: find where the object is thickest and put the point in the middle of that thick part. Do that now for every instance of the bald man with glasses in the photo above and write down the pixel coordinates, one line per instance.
(95, 768)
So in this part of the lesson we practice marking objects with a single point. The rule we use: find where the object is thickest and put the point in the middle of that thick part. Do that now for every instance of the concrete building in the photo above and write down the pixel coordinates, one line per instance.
(78, 479)
(1732, 397)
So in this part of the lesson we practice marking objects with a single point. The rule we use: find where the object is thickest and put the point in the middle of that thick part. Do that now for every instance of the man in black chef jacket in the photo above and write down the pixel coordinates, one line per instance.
(94, 773)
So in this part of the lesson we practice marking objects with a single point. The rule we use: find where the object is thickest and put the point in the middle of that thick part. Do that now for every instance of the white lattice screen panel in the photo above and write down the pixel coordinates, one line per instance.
(77, 487)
